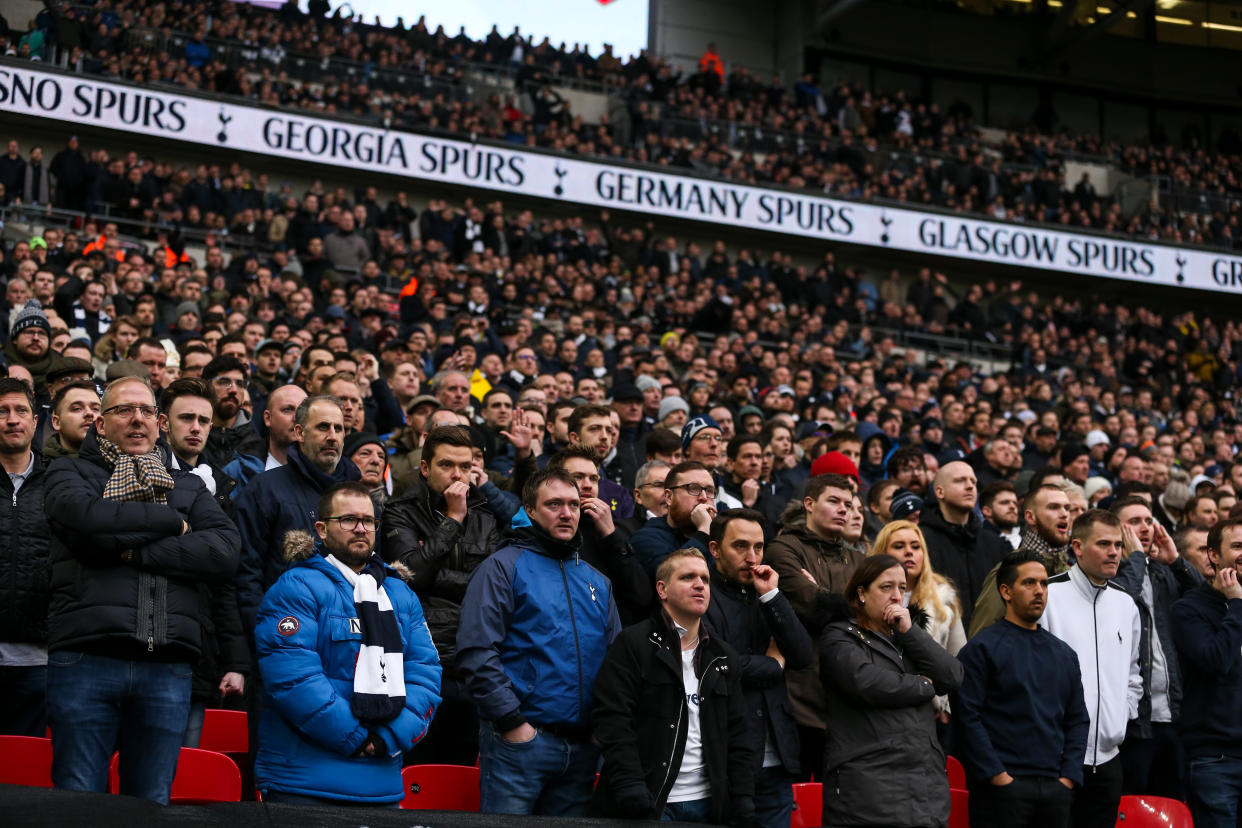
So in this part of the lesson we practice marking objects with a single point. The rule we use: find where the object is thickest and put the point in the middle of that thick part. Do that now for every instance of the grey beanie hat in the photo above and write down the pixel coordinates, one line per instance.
(670, 404)
(30, 316)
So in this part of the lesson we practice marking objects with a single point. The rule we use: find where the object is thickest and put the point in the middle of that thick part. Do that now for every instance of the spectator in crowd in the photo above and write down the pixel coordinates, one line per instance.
(285, 498)
(337, 715)
(231, 424)
(224, 663)
(958, 547)
(881, 673)
(1192, 545)
(125, 527)
(366, 451)
(536, 755)
(1207, 629)
(255, 455)
(649, 493)
(1155, 575)
(1087, 612)
(74, 408)
(690, 498)
(998, 503)
(1046, 513)
(29, 344)
(440, 531)
(812, 559)
(23, 619)
(604, 543)
(751, 615)
(700, 767)
(930, 597)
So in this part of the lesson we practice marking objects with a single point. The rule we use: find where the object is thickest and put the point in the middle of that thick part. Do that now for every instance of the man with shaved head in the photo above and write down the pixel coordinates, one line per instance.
(256, 454)
(956, 544)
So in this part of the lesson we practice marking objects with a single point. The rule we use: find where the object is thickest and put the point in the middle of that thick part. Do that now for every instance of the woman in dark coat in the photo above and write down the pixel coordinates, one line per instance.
(883, 765)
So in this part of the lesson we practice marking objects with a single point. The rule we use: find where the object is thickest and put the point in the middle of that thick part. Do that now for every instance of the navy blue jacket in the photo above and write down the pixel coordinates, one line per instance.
(1207, 629)
(271, 505)
(307, 649)
(1020, 707)
(535, 625)
(737, 616)
(656, 540)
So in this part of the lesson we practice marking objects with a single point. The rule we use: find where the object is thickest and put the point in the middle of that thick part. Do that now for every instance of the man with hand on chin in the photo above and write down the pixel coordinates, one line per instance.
(1020, 716)
(1100, 621)
(1155, 575)
(535, 624)
(690, 494)
(667, 755)
(755, 618)
(1207, 627)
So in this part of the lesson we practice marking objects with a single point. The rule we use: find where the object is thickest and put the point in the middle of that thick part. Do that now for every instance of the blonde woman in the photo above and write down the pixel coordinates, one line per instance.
(931, 598)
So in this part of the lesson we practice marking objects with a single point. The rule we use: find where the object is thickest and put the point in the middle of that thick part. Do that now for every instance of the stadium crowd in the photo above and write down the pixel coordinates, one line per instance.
(731, 123)
(691, 513)
(689, 517)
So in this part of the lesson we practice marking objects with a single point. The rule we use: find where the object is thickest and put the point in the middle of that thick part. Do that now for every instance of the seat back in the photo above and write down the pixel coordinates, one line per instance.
(26, 760)
(202, 776)
(808, 805)
(441, 788)
(225, 731)
(1153, 812)
(959, 808)
(956, 773)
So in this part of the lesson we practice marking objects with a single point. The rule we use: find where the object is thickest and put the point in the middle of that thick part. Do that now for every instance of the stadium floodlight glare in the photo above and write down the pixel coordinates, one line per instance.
(1221, 27)
(1176, 21)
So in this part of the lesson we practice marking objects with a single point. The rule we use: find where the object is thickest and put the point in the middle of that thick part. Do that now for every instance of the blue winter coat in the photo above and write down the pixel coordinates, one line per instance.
(269, 507)
(308, 732)
(535, 626)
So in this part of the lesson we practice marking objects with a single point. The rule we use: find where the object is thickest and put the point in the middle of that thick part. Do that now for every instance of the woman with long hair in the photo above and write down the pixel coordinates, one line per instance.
(930, 597)
(881, 673)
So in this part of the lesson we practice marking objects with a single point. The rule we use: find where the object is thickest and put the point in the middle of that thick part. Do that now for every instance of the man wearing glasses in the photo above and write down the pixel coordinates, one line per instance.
(132, 543)
(350, 674)
(690, 496)
(231, 424)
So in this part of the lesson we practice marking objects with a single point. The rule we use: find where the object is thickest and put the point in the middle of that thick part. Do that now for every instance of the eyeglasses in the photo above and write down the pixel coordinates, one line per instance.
(694, 489)
(705, 438)
(147, 412)
(350, 523)
(228, 382)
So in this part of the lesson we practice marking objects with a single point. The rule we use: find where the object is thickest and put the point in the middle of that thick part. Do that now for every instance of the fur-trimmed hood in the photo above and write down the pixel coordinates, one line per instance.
(301, 545)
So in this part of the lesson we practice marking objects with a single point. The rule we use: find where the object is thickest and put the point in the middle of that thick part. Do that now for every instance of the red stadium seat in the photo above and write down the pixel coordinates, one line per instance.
(1153, 812)
(26, 760)
(441, 788)
(957, 774)
(959, 813)
(225, 731)
(202, 776)
(808, 805)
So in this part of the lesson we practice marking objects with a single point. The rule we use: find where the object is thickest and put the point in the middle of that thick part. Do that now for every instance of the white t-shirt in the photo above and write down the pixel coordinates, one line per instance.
(691, 784)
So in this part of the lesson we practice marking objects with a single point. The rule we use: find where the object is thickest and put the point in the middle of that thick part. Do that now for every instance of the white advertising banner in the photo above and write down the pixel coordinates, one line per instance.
(77, 99)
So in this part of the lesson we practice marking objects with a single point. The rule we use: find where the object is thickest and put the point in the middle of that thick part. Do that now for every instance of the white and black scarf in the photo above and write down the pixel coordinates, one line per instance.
(379, 673)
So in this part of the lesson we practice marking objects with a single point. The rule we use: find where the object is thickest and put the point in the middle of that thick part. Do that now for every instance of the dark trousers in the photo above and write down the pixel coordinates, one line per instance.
(1027, 802)
(24, 690)
(1096, 802)
(1155, 766)
(773, 797)
(811, 752)
(453, 737)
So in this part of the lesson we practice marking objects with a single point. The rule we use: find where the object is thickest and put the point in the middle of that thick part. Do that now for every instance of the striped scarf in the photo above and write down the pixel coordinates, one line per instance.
(379, 672)
(140, 477)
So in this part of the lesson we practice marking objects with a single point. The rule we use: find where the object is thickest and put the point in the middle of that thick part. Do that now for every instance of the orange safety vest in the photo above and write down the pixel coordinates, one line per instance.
(98, 244)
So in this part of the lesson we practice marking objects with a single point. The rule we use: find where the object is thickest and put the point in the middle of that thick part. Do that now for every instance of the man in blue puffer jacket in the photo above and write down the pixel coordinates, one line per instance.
(535, 624)
(337, 716)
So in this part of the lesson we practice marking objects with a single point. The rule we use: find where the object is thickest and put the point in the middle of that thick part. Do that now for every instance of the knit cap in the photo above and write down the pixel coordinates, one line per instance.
(30, 316)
